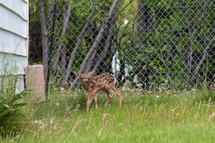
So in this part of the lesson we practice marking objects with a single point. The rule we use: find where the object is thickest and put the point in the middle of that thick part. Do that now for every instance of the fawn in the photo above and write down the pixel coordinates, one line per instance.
(93, 84)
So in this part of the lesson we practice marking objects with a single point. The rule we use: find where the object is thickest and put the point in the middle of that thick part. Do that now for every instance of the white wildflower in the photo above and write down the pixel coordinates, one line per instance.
(105, 115)
(126, 21)
(193, 89)
(40, 122)
(52, 119)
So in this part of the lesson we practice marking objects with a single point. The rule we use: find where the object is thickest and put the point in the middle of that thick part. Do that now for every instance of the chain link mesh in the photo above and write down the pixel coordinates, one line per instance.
(149, 45)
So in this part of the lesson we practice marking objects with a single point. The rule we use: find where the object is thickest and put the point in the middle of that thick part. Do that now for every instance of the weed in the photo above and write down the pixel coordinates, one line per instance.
(182, 117)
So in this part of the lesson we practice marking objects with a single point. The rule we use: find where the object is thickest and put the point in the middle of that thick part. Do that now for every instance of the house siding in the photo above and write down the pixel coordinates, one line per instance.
(14, 19)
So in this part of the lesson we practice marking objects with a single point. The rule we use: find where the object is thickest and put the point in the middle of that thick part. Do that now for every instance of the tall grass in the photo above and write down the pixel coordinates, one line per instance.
(184, 117)
(11, 104)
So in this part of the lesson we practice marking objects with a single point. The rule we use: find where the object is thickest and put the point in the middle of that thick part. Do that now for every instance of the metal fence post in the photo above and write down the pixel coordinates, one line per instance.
(50, 50)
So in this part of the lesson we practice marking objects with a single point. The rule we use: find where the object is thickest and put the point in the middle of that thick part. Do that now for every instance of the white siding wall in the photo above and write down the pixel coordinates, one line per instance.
(13, 38)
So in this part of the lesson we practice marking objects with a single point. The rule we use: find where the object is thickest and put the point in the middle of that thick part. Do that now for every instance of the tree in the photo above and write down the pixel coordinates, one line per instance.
(163, 41)
(44, 37)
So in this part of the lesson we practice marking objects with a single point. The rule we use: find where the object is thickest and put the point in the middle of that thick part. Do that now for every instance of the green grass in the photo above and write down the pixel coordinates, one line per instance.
(185, 117)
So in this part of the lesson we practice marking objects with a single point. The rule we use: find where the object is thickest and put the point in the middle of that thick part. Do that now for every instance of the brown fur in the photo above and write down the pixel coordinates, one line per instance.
(93, 84)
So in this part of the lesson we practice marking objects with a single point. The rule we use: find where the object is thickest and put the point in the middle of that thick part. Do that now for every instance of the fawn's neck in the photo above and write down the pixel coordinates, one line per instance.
(86, 87)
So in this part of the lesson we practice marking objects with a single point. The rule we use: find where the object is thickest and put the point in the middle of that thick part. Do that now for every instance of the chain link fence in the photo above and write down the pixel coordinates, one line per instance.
(148, 45)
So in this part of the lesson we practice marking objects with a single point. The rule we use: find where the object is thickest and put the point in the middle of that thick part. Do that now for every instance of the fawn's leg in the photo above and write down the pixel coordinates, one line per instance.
(95, 100)
(118, 94)
(89, 100)
(108, 96)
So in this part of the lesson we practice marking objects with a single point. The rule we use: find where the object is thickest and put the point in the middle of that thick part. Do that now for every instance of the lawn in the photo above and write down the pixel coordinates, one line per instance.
(155, 118)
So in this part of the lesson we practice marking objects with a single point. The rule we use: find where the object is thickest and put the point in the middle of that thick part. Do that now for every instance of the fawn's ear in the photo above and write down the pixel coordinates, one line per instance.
(76, 74)
(91, 73)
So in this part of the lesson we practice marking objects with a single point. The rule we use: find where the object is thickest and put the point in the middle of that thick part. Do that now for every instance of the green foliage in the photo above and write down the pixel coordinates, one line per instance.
(149, 117)
(179, 27)
(56, 105)
(61, 101)
(11, 105)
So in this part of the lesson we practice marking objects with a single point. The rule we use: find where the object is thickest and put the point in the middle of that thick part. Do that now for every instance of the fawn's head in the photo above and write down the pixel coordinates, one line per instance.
(84, 77)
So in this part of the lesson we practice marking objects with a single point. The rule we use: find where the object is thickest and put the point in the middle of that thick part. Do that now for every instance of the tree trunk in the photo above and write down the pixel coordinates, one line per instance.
(145, 18)
(72, 57)
(99, 37)
(145, 24)
(96, 42)
(44, 37)
(108, 42)
(63, 62)
(199, 24)
(202, 59)
(65, 26)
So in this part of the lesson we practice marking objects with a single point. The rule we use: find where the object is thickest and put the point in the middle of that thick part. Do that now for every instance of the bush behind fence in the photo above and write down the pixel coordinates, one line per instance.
(146, 44)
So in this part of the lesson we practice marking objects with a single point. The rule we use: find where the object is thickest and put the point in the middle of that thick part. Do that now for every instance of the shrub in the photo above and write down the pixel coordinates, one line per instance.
(11, 104)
